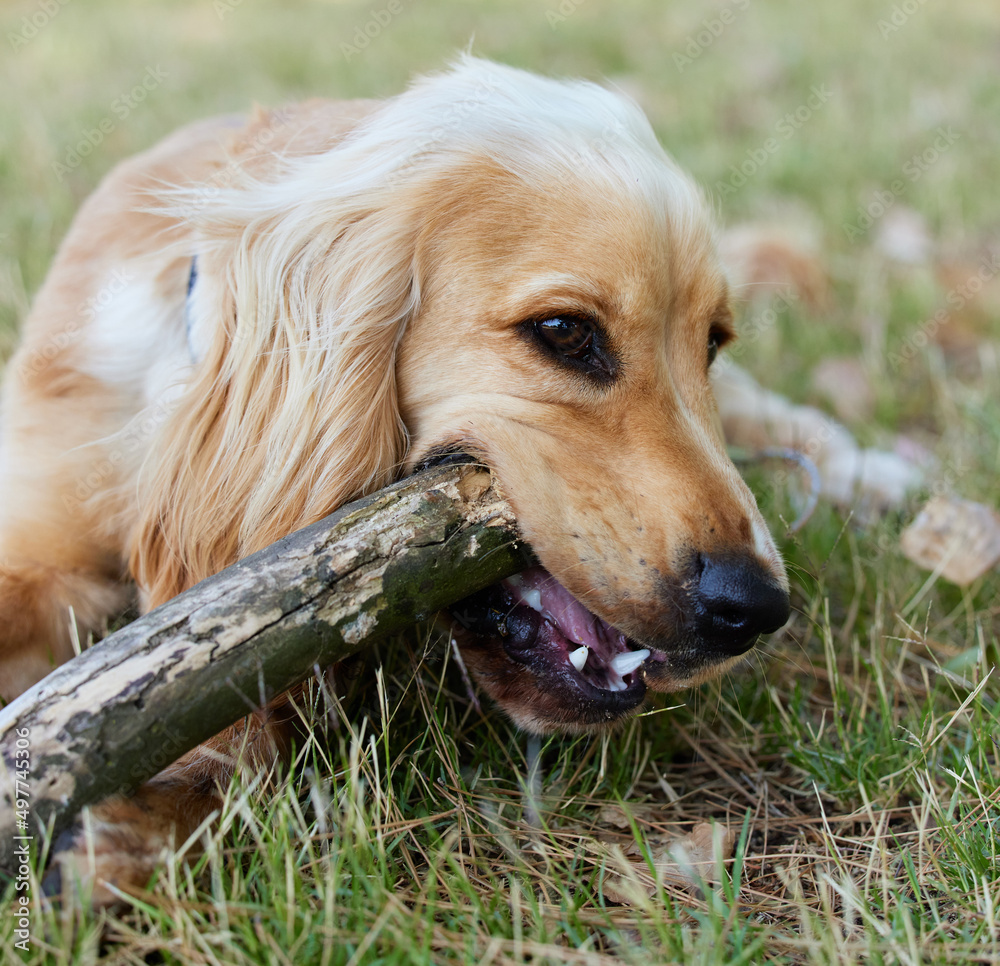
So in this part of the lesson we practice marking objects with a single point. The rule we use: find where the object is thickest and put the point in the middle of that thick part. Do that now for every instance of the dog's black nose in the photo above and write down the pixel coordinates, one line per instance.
(735, 600)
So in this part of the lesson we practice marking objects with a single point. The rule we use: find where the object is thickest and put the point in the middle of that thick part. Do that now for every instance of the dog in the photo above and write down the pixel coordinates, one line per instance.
(260, 319)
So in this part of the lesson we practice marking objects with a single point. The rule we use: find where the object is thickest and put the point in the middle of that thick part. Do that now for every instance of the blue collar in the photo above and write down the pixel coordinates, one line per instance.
(188, 314)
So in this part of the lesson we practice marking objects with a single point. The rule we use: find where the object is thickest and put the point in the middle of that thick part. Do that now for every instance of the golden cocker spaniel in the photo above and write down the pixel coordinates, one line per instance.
(260, 319)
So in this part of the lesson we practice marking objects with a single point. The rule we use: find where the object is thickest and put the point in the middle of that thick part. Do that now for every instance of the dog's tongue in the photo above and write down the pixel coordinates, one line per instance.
(539, 590)
(569, 650)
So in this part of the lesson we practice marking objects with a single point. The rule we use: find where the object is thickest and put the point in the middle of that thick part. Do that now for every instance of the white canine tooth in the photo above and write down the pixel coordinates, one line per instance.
(579, 657)
(628, 661)
(533, 598)
(615, 683)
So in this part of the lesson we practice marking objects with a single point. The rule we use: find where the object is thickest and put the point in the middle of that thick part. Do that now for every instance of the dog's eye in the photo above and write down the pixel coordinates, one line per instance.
(716, 340)
(575, 341)
(573, 338)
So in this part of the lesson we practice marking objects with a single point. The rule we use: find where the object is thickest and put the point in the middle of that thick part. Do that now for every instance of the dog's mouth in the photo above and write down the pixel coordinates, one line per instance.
(581, 665)
(553, 665)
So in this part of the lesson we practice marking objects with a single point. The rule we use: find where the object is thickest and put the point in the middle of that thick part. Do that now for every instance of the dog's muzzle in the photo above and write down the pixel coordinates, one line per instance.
(528, 636)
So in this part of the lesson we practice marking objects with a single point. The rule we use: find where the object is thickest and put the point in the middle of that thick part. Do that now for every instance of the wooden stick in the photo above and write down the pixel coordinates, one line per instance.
(106, 721)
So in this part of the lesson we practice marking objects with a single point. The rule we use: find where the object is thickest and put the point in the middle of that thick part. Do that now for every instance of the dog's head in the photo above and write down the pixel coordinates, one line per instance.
(571, 306)
(509, 267)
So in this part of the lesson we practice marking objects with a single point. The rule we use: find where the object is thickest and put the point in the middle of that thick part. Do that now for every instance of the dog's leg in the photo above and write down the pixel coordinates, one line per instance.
(60, 559)
(67, 476)
(42, 610)
(122, 841)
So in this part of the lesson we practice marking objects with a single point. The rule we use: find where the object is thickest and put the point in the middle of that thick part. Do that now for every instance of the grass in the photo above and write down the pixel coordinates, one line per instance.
(855, 761)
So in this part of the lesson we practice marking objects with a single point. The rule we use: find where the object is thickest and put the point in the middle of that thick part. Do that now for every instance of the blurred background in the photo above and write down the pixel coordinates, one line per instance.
(866, 133)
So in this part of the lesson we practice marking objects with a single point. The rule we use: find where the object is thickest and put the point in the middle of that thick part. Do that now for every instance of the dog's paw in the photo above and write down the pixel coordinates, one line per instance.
(96, 870)
(109, 855)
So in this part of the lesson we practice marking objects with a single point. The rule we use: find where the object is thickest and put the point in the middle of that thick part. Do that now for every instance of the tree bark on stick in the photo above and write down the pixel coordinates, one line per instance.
(111, 718)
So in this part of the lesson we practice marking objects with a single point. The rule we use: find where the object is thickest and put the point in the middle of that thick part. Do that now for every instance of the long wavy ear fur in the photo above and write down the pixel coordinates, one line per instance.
(304, 290)
(306, 283)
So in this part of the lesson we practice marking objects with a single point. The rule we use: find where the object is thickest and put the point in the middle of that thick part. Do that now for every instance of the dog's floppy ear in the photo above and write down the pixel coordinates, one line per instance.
(302, 296)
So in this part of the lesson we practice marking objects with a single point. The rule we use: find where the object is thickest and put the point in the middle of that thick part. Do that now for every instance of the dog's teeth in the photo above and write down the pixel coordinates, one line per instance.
(628, 661)
(533, 598)
(579, 657)
(615, 683)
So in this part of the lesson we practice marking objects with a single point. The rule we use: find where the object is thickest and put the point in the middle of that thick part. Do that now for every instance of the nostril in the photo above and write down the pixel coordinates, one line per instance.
(735, 601)
(730, 615)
